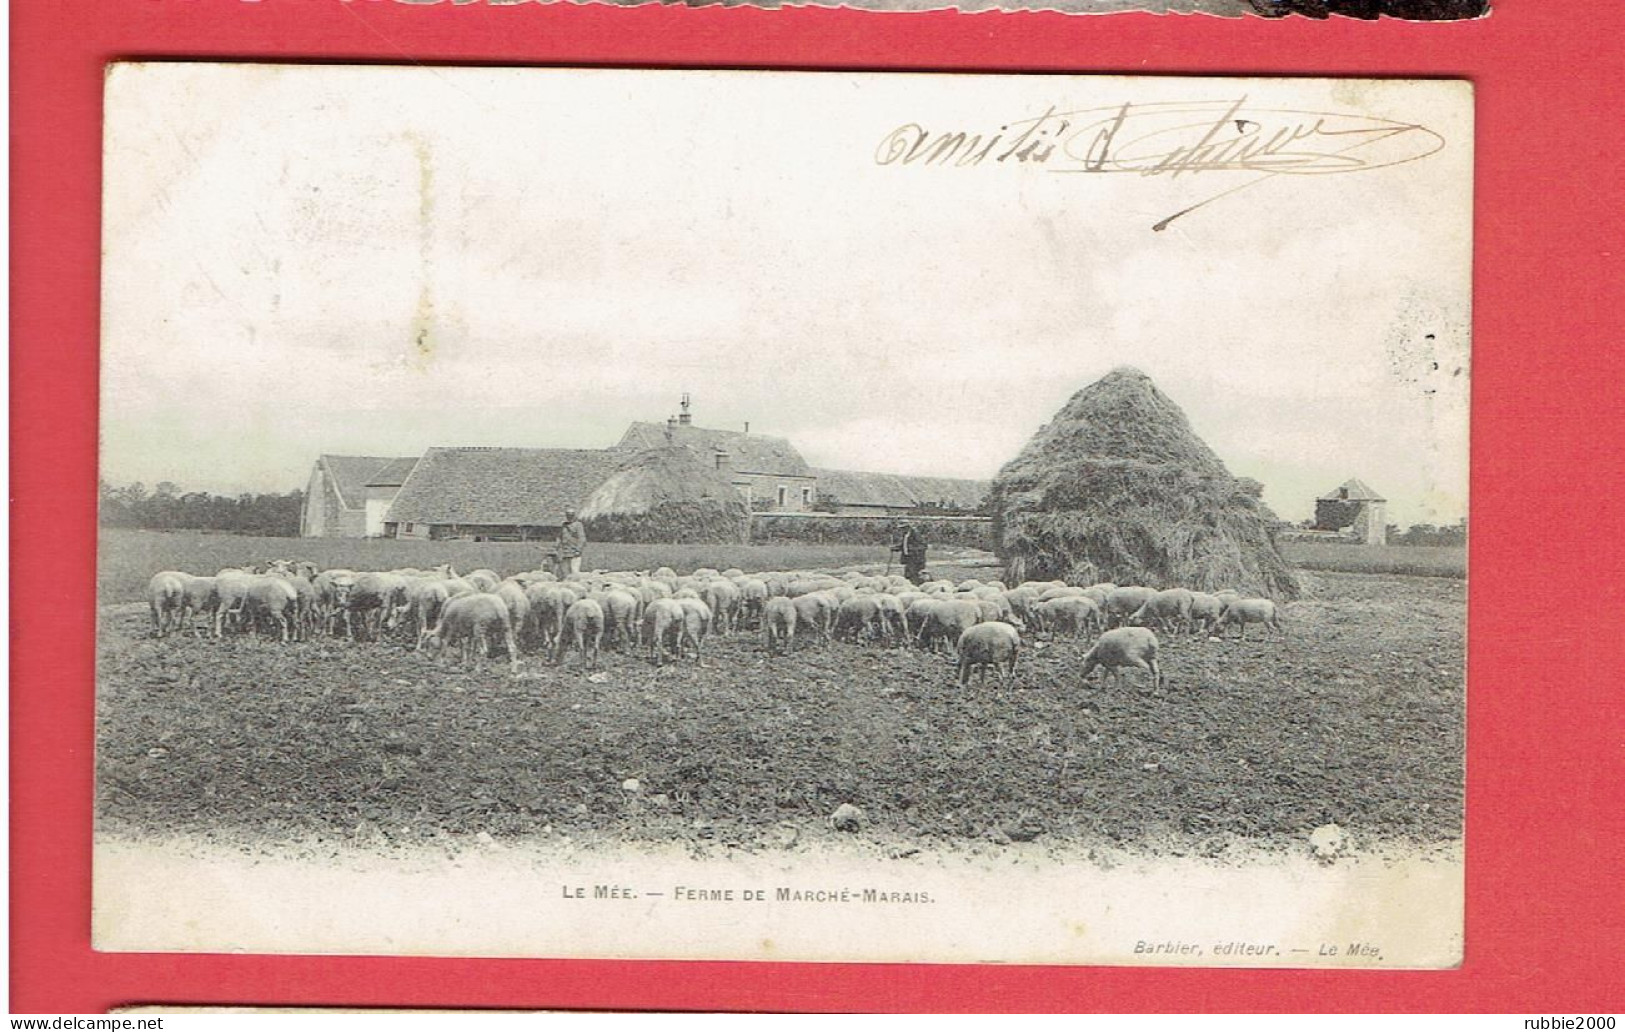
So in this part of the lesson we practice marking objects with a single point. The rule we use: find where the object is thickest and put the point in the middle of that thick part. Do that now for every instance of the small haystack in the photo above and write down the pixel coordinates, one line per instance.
(1117, 487)
(669, 495)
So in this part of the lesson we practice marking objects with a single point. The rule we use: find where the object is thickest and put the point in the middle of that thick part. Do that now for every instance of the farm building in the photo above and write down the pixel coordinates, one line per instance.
(1355, 509)
(521, 493)
(1117, 486)
(853, 493)
(340, 499)
(495, 494)
(768, 471)
(674, 494)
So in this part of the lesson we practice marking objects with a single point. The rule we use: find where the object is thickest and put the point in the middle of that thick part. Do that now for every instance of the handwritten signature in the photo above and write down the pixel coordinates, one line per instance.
(1174, 139)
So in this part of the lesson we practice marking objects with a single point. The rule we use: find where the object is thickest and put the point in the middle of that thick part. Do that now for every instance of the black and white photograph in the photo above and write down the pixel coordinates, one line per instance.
(803, 516)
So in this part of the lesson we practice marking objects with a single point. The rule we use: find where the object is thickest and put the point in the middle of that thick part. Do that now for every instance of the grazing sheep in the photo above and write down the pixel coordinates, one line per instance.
(1170, 610)
(858, 618)
(583, 629)
(272, 597)
(201, 597)
(1069, 614)
(468, 621)
(517, 601)
(753, 596)
(166, 598)
(548, 604)
(992, 643)
(697, 618)
(1122, 603)
(917, 613)
(378, 598)
(332, 590)
(663, 622)
(723, 599)
(947, 622)
(1243, 611)
(815, 614)
(1205, 611)
(231, 591)
(778, 623)
(621, 611)
(893, 623)
(427, 602)
(1124, 647)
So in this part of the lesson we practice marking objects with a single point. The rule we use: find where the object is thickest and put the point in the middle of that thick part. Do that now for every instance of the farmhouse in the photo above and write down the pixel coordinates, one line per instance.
(340, 498)
(520, 494)
(1353, 508)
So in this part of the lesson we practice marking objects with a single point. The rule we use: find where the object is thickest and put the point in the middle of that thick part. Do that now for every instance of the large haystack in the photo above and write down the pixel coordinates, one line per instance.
(670, 495)
(1117, 487)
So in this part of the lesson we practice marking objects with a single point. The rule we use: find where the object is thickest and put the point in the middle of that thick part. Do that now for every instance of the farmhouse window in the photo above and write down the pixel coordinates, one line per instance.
(784, 494)
(806, 496)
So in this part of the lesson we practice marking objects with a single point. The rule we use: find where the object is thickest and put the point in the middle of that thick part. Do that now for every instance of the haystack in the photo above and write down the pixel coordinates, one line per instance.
(1117, 487)
(672, 495)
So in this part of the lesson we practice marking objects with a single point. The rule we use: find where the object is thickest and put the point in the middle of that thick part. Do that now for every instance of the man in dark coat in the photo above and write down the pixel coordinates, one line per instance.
(911, 546)
(572, 542)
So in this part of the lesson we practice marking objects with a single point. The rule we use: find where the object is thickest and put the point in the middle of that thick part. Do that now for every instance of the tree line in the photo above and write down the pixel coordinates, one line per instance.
(166, 507)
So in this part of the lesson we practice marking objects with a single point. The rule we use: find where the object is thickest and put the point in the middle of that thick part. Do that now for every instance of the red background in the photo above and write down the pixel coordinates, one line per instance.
(1544, 858)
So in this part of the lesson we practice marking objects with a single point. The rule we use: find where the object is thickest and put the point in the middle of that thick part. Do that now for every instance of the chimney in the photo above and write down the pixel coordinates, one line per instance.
(685, 419)
(747, 426)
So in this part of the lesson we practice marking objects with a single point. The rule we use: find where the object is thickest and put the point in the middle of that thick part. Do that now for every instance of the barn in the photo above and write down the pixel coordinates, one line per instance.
(853, 493)
(495, 494)
(341, 499)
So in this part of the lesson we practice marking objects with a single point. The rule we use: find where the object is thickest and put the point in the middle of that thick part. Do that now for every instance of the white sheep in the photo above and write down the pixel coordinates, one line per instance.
(1243, 611)
(1169, 609)
(697, 619)
(778, 623)
(469, 621)
(1121, 603)
(663, 622)
(166, 598)
(992, 643)
(1124, 647)
(583, 629)
(621, 612)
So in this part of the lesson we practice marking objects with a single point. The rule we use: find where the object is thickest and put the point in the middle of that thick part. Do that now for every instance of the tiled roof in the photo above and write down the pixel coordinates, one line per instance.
(850, 487)
(500, 486)
(394, 474)
(1357, 492)
(747, 453)
(352, 473)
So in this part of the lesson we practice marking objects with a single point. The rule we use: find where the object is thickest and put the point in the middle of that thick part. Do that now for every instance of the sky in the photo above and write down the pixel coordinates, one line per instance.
(375, 261)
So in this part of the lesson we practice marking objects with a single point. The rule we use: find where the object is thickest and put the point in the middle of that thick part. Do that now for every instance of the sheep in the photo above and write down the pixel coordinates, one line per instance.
(332, 590)
(427, 602)
(778, 623)
(584, 629)
(468, 621)
(892, 617)
(1121, 603)
(621, 617)
(697, 618)
(378, 598)
(1205, 611)
(166, 598)
(517, 601)
(1171, 609)
(663, 620)
(231, 591)
(992, 643)
(858, 617)
(548, 604)
(723, 599)
(947, 622)
(305, 604)
(815, 614)
(1124, 647)
(1070, 614)
(1243, 611)
(201, 597)
(753, 596)
(272, 596)
(917, 612)
(483, 580)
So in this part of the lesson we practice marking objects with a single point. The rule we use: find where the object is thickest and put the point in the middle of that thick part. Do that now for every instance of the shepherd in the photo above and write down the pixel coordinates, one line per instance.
(911, 545)
(572, 542)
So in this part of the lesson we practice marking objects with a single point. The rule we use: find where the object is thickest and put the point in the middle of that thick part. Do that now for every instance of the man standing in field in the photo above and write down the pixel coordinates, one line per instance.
(911, 545)
(572, 541)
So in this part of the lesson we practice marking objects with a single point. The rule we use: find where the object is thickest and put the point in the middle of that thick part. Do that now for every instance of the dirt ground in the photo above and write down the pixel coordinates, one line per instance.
(1354, 715)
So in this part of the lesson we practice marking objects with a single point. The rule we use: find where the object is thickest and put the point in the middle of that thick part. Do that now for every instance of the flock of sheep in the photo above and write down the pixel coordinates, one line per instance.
(671, 615)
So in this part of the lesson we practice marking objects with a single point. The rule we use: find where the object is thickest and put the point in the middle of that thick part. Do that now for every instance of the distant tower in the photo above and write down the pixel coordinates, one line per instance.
(1355, 507)
(684, 419)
